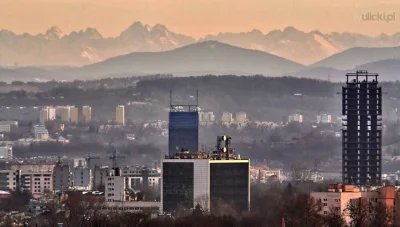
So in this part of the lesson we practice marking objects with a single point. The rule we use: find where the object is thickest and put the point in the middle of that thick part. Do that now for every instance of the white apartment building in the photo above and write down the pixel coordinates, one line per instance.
(87, 114)
(226, 117)
(37, 182)
(114, 186)
(120, 115)
(40, 132)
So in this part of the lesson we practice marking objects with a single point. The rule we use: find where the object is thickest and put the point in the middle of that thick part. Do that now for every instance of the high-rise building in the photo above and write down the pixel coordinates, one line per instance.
(114, 186)
(241, 117)
(44, 115)
(189, 179)
(65, 112)
(362, 132)
(183, 129)
(62, 173)
(120, 115)
(226, 117)
(86, 114)
(392, 115)
(74, 114)
(47, 114)
(82, 177)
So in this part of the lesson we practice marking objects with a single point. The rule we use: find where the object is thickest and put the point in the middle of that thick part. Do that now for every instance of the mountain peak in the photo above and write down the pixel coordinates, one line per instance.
(54, 33)
(290, 29)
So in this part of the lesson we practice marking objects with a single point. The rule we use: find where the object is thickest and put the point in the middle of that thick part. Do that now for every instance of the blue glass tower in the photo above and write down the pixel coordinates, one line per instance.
(183, 128)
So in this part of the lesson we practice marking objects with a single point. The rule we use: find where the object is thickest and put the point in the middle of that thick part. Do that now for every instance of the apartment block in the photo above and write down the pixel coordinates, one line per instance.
(120, 115)
(74, 117)
(115, 186)
(86, 114)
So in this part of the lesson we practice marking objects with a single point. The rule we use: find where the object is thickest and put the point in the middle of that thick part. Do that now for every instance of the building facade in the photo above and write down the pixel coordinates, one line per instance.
(241, 118)
(74, 115)
(82, 177)
(226, 117)
(188, 182)
(40, 132)
(37, 182)
(86, 114)
(65, 112)
(183, 131)
(338, 197)
(115, 186)
(362, 132)
(120, 115)
(62, 176)
(8, 180)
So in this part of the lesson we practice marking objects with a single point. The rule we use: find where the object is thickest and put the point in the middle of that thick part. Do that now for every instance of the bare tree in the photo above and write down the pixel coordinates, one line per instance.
(203, 201)
(334, 218)
(358, 211)
(382, 216)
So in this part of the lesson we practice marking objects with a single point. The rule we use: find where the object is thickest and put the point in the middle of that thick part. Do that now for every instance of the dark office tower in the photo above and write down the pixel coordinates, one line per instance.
(362, 133)
(183, 128)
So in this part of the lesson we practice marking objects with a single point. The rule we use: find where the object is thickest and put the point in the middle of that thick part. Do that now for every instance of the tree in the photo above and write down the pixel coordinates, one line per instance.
(382, 216)
(358, 211)
(334, 218)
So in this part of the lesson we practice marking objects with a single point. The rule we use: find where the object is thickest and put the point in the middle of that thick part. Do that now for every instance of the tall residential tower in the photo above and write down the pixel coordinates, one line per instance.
(362, 133)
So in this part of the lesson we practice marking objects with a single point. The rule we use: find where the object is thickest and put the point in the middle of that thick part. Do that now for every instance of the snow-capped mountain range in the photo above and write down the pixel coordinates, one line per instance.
(55, 48)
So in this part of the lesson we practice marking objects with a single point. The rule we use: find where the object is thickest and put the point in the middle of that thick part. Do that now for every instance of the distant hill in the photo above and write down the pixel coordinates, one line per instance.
(27, 74)
(208, 57)
(387, 69)
(354, 57)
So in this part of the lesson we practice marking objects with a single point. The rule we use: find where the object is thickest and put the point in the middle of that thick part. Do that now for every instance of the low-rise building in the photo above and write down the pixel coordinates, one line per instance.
(338, 197)
(40, 132)
(6, 152)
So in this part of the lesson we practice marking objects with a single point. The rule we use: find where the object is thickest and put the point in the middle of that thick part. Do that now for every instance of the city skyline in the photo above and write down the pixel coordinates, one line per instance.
(110, 18)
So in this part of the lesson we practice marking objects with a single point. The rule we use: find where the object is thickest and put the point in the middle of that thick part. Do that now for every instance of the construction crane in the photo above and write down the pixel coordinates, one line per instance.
(88, 158)
(115, 156)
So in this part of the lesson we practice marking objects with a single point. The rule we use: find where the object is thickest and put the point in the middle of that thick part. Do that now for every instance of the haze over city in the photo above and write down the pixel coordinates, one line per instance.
(172, 113)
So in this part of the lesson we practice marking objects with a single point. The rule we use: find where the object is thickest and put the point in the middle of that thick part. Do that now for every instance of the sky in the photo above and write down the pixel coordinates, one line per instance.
(198, 18)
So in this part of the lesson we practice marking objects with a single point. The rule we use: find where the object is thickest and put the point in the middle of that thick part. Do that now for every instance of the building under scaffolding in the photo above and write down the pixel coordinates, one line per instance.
(362, 133)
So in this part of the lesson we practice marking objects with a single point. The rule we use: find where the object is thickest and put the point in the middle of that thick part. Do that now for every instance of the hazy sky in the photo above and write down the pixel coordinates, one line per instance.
(198, 17)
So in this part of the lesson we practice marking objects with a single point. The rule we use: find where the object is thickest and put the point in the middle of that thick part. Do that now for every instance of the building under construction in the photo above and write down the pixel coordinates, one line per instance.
(362, 133)
(202, 178)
